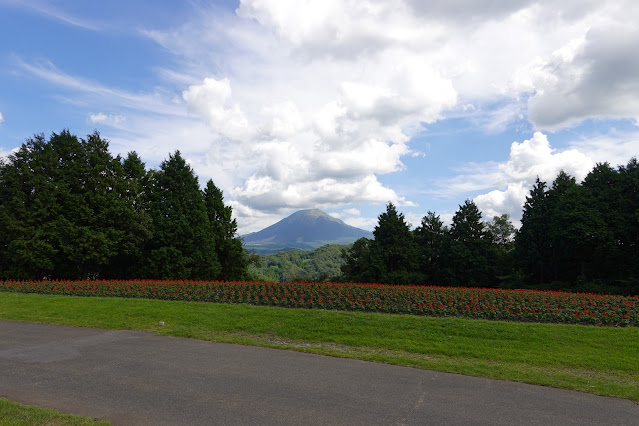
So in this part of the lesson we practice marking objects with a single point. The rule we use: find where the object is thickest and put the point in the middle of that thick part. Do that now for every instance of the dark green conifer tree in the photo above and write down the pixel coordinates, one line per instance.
(362, 262)
(183, 243)
(628, 231)
(470, 255)
(135, 221)
(395, 246)
(28, 204)
(62, 207)
(532, 245)
(228, 245)
(430, 239)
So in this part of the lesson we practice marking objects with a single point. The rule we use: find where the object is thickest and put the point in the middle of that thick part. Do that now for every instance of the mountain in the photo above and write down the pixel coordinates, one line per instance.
(303, 230)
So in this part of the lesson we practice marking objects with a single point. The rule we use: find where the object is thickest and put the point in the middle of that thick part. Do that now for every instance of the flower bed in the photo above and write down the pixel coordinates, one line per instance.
(519, 305)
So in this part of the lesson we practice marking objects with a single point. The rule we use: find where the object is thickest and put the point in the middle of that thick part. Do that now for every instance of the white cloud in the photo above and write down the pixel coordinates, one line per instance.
(330, 120)
(4, 154)
(592, 74)
(52, 12)
(599, 82)
(289, 104)
(209, 99)
(108, 119)
(614, 147)
(318, 99)
(353, 217)
(528, 160)
(352, 212)
(95, 93)
(503, 187)
(367, 223)
(1, 118)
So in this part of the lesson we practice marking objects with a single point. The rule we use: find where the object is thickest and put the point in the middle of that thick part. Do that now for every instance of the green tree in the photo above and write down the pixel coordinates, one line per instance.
(228, 245)
(28, 202)
(396, 248)
(581, 232)
(628, 231)
(470, 256)
(135, 222)
(502, 233)
(560, 258)
(183, 243)
(61, 207)
(430, 240)
(362, 262)
(531, 241)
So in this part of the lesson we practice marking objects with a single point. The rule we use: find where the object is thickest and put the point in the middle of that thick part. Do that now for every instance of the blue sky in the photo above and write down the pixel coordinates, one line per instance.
(339, 105)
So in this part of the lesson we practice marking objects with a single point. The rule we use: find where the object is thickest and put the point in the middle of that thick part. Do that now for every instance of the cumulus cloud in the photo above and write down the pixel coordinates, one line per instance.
(317, 101)
(512, 180)
(1, 118)
(209, 99)
(325, 150)
(289, 104)
(528, 160)
(596, 80)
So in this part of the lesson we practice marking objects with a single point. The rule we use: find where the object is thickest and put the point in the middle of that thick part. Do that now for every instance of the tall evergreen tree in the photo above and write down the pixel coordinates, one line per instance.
(28, 204)
(62, 207)
(581, 232)
(228, 246)
(628, 233)
(430, 241)
(395, 245)
(559, 257)
(183, 243)
(531, 241)
(470, 256)
(135, 221)
(604, 186)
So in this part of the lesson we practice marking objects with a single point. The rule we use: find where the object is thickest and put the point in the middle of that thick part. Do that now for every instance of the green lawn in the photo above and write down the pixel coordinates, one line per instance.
(600, 360)
(12, 413)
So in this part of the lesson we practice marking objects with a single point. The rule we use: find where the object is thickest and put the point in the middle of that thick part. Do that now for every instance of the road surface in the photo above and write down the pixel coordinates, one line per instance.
(132, 377)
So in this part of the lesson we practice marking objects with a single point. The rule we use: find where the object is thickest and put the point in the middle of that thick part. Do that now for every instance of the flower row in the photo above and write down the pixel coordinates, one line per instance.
(520, 305)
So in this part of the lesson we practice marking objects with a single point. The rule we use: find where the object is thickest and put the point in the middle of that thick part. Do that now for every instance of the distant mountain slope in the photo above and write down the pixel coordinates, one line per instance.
(295, 265)
(303, 230)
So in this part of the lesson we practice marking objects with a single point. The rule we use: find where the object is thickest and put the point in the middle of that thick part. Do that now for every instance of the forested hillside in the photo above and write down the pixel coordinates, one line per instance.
(69, 209)
(320, 264)
(573, 236)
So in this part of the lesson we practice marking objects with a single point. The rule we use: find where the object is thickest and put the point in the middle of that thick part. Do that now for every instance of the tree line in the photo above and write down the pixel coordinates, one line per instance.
(69, 210)
(573, 236)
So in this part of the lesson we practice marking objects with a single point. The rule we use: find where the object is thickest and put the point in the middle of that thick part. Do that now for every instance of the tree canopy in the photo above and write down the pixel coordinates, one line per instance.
(573, 236)
(69, 209)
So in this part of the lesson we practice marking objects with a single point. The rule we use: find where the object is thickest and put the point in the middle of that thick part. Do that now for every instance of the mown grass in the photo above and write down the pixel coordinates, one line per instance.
(14, 414)
(599, 360)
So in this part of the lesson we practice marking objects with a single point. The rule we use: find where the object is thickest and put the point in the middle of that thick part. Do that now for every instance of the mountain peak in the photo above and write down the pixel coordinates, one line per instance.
(312, 216)
(304, 230)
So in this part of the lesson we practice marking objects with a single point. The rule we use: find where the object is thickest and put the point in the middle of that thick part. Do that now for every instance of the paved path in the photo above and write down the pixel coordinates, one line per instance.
(132, 377)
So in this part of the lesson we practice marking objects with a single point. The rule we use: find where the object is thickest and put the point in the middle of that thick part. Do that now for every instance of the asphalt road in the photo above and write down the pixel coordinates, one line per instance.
(131, 377)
